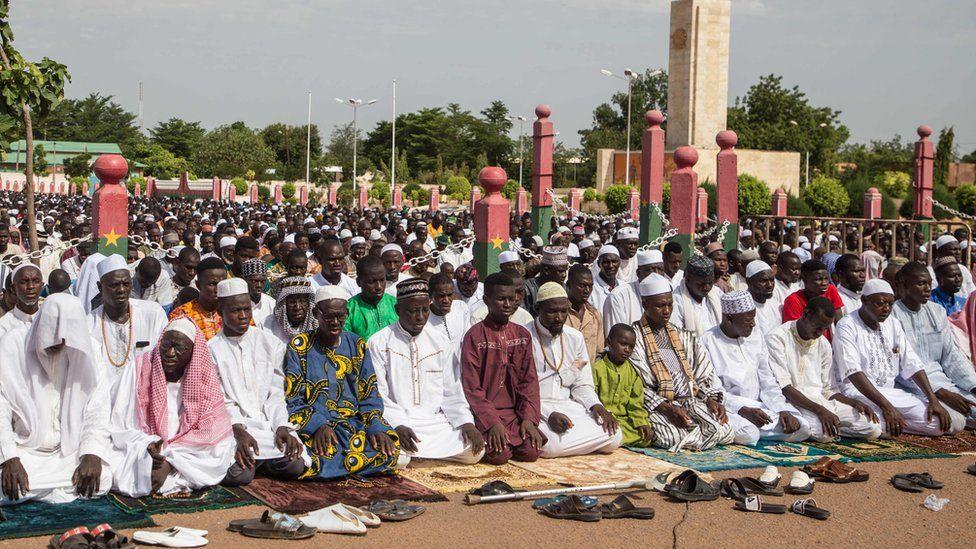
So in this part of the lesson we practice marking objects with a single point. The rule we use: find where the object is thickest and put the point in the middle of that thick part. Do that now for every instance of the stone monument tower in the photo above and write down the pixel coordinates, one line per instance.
(698, 72)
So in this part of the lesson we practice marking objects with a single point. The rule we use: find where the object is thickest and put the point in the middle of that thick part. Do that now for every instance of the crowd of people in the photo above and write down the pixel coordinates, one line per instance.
(314, 342)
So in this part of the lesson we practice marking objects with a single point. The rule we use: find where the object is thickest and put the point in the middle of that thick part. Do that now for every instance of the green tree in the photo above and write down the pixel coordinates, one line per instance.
(966, 198)
(240, 186)
(876, 157)
(796, 206)
(380, 192)
(894, 184)
(230, 151)
(289, 146)
(944, 155)
(178, 136)
(509, 190)
(826, 197)
(458, 188)
(264, 193)
(40, 159)
(287, 190)
(161, 163)
(78, 165)
(754, 196)
(340, 148)
(95, 119)
(617, 197)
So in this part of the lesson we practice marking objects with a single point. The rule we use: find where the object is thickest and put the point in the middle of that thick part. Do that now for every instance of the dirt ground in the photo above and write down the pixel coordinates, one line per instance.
(870, 514)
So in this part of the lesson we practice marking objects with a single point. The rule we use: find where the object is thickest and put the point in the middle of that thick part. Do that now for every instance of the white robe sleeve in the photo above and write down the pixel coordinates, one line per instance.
(909, 362)
(274, 406)
(847, 355)
(132, 466)
(393, 413)
(769, 390)
(8, 444)
(454, 405)
(583, 390)
(779, 355)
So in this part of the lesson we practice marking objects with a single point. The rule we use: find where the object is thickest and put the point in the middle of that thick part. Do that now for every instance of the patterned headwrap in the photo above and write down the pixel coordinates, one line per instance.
(466, 273)
(829, 259)
(205, 420)
(254, 267)
(734, 303)
(295, 285)
(700, 266)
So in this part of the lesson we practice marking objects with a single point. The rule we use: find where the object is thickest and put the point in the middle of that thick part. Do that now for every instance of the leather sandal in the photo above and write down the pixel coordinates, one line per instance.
(76, 538)
(571, 508)
(104, 537)
(688, 486)
(808, 508)
(493, 488)
(757, 504)
(915, 482)
(733, 488)
(756, 486)
(622, 507)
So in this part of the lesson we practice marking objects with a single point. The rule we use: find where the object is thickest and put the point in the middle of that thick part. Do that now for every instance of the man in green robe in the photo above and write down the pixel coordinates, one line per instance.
(621, 389)
(372, 309)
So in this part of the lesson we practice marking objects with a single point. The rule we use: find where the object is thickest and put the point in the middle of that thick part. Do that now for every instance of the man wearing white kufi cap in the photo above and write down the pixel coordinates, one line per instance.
(623, 304)
(573, 419)
(249, 361)
(122, 327)
(588, 250)
(54, 409)
(225, 249)
(510, 260)
(871, 353)
(27, 283)
(948, 245)
(756, 405)
(626, 243)
(683, 400)
(604, 275)
(762, 287)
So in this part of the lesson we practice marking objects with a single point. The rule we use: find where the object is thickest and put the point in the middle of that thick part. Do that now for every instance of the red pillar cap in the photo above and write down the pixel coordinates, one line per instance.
(726, 139)
(110, 168)
(924, 131)
(492, 178)
(654, 118)
(685, 157)
(543, 111)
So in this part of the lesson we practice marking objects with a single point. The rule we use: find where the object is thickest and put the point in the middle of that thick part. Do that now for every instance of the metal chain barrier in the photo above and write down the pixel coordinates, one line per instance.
(153, 246)
(517, 248)
(457, 247)
(14, 260)
(956, 213)
(558, 202)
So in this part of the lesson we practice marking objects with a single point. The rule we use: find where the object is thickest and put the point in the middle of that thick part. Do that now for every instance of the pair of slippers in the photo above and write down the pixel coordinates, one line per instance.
(574, 507)
(832, 470)
(342, 519)
(80, 537)
(915, 482)
(806, 507)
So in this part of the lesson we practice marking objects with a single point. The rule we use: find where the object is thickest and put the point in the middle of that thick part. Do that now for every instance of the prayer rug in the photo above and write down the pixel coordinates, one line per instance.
(878, 450)
(620, 466)
(218, 497)
(445, 476)
(40, 519)
(295, 497)
(963, 443)
(716, 459)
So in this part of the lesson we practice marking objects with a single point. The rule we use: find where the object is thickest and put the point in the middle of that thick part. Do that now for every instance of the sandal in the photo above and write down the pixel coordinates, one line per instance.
(832, 470)
(395, 510)
(756, 486)
(733, 488)
(171, 537)
(282, 527)
(971, 469)
(771, 476)
(104, 537)
(688, 486)
(622, 507)
(808, 508)
(571, 508)
(756, 504)
(800, 484)
(266, 518)
(588, 501)
(915, 482)
(76, 538)
(493, 488)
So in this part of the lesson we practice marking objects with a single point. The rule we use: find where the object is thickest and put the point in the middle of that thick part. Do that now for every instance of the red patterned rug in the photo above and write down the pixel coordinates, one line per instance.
(964, 442)
(296, 497)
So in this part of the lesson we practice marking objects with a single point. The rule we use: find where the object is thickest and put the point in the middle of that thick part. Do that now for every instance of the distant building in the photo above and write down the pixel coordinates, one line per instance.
(56, 152)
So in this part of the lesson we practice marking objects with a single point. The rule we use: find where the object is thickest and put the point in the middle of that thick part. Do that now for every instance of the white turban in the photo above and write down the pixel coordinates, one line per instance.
(755, 267)
(655, 284)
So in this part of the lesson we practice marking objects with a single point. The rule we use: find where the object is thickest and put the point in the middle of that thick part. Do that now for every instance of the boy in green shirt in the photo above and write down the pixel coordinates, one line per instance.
(621, 389)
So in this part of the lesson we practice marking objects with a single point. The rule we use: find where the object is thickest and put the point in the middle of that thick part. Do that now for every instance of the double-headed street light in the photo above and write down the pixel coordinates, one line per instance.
(521, 121)
(629, 76)
(355, 104)
(807, 178)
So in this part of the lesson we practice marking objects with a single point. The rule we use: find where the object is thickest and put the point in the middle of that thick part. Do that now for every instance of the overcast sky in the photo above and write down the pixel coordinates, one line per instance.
(889, 65)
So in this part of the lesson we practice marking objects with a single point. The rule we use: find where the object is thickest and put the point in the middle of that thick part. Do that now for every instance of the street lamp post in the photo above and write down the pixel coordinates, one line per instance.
(355, 104)
(629, 76)
(806, 178)
(521, 120)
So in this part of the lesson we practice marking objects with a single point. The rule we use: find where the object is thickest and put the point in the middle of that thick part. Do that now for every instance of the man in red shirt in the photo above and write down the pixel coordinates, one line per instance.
(816, 282)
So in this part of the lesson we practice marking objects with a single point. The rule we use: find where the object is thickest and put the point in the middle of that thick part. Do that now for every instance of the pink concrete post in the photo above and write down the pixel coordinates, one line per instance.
(232, 192)
(633, 204)
(490, 222)
(475, 195)
(150, 187)
(779, 203)
(701, 206)
(110, 206)
(397, 197)
(363, 201)
(435, 199)
(727, 188)
(872, 204)
(652, 176)
(684, 190)
(138, 189)
(575, 199)
(303, 195)
(216, 188)
(542, 143)
(253, 193)
(277, 193)
(521, 201)
(334, 193)
(924, 160)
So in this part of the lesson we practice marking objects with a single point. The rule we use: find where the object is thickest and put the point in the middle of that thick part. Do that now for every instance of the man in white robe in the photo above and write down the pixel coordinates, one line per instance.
(418, 377)
(761, 284)
(623, 304)
(170, 427)
(948, 245)
(249, 361)
(448, 316)
(605, 275)
(255, 272)
(697, 308)
(850, 274)
(150, 283)
(871, 352)
(54, 428)
(332, 257)
(787, 277)
(756, 405)
(27, 284)
(574, 421)
(626, 244)
(122, 327)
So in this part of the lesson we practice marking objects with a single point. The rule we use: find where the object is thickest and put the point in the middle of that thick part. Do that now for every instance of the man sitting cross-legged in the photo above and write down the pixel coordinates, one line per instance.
(738, 354)
(801, 361)
(170, 427)
(680, 390)
(620, 387)
(499, 378)
(249, 361)
(330, 388)
(575, 421)
(416, 376)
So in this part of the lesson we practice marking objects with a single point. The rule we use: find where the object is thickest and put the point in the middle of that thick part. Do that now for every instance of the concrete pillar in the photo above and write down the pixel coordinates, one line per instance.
(779, 203)
(727, 187)
(363, 201)
(633, 204)
(277, 194)
(216, 189)
(137, 189)
(542, 143)
(490, 221)
(684, 190)
(575, 199)
(253, 193)
(435, 199)
(652, 176)
(924, 160)
(334, 193)
(232, 192)
(475, 195)
(701, 206)
(397, 199)
(110, 206)
(303, 194)
(872, 204)
(521, 201)
(150, 187)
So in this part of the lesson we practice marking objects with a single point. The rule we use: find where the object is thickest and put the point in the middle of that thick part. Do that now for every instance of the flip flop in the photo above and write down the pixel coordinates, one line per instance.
(588, 501)
(493, 488)
(800, 484)
(808, 508)
(571, 508)
(756, 504)
(396, 510)
(756, 486)
(170, 537)
(661, 480)
(688, 486)
(267, 517)
(78, 537)
(733, 488)
(107, 538)
(971, 469)
(771, 476)
(915, 482)
(622, 507)
(283, 527)
(905, 484)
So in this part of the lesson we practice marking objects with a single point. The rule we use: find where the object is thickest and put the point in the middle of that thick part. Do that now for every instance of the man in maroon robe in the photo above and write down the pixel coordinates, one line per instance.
(499, 378)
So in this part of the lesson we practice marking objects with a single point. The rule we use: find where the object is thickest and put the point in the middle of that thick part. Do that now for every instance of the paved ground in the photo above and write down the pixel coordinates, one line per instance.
(871, 514)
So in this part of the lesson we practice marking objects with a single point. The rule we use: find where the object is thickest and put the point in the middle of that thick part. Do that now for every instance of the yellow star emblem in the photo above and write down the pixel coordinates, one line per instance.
(496, 242)
(112, 238)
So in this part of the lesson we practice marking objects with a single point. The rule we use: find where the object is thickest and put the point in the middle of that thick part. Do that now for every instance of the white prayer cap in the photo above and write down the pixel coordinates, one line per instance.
(21, 266)
(755, 267)
(48, 218)
(537, 239)
(876, 286)
(345, 233)
(508, 256)
(744, 233)
(563, 229)
(550, 290)
(149, 217)
(555, 237)
(832, 238)
(785, 248)
(110, 264)
(802, 239)
(183, 326)
(391, 248)
(469, 232)
(357, 240)
(239, 232)
(806, 245)
(375, 235)
(649, 257)
(309, 219)
(229, 287)
(734, 303)
(227, 241)
(943, 240)
(627, 233)
(654, 284)
(289, 238)
(328, 292)
(608, 249)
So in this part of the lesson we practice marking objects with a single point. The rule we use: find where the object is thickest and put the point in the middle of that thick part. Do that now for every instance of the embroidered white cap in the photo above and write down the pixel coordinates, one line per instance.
(230, 287)
(227, 241)
(326, 293)
(876, 286)
(391, 248)
(755, 267)
(508, 256)
(654, 284)
(110, 264)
